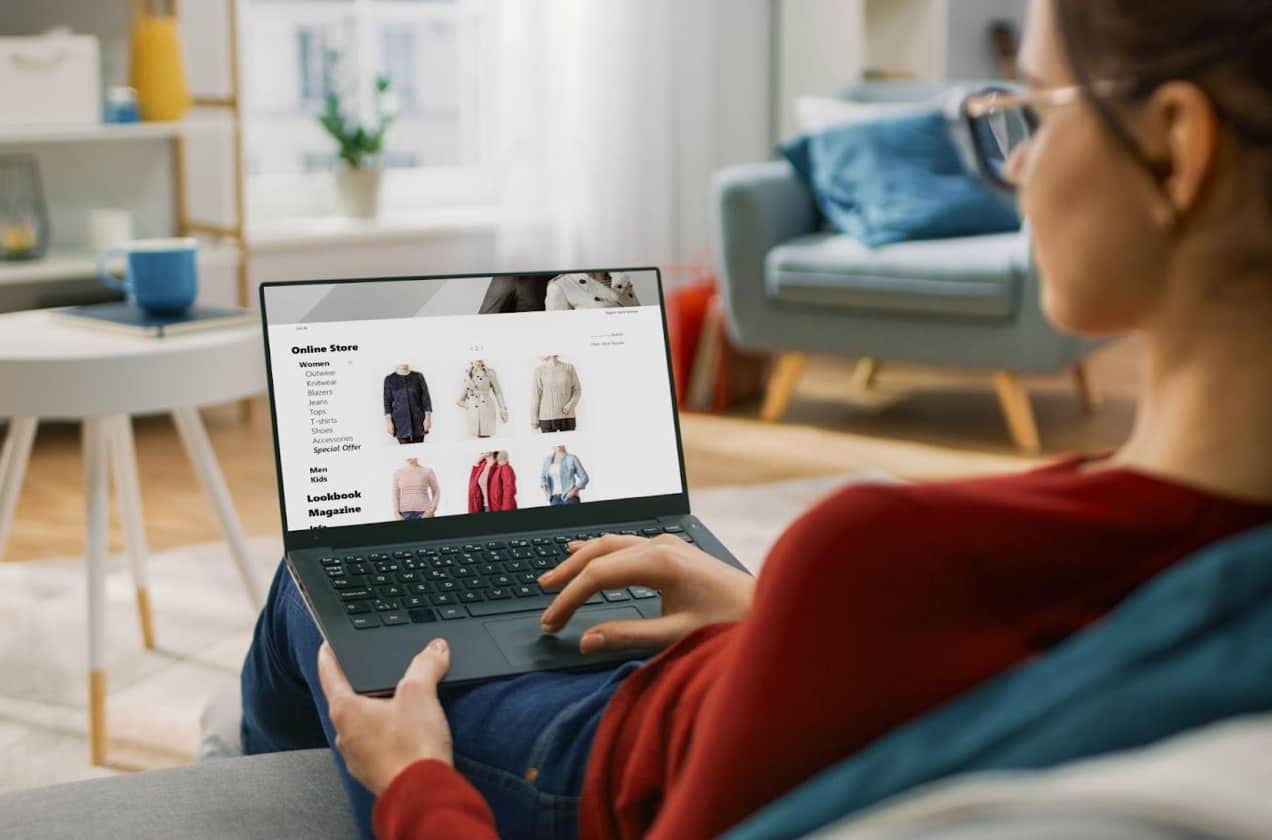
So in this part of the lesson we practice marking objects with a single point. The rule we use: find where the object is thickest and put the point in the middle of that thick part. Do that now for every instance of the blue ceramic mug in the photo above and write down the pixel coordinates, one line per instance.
(160, 275)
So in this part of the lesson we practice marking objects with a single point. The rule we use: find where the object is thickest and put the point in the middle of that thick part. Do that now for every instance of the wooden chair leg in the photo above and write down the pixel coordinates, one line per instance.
(781, 385)
(1018, 412)
(1088, 394)
(863, 378)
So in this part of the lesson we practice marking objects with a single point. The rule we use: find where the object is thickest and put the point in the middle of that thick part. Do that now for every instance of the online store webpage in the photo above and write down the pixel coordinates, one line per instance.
(413, 399)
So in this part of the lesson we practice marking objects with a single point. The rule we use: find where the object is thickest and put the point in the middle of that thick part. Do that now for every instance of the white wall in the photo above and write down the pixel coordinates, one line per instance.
(821, 50)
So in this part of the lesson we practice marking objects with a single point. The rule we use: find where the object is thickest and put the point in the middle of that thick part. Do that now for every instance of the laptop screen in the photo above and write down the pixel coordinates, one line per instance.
(401, 400)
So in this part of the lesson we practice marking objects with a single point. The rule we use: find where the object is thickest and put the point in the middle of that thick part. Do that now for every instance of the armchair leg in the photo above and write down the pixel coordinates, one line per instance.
(781, 385)
(1018, 412)
(1088, 394)
(863, 378)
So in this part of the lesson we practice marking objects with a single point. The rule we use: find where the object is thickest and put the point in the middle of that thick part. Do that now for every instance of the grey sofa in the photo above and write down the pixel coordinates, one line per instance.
(793, 287)
(266, 797)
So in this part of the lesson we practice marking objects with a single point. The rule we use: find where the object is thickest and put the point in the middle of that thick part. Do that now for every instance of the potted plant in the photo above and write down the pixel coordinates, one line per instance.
(359, 172)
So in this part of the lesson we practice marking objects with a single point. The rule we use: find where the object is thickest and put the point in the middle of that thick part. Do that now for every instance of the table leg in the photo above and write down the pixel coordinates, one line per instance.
(128, 496)
(195, 437)
(96, 502)
(13, 464)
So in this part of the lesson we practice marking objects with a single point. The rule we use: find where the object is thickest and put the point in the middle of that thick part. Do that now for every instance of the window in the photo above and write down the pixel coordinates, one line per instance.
(297, 52)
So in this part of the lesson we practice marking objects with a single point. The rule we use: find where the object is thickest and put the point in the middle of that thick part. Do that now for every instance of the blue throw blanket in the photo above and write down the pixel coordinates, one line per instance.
(1191, 647)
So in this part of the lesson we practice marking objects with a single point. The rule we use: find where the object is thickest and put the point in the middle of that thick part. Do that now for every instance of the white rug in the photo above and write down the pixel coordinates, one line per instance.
(203, 624)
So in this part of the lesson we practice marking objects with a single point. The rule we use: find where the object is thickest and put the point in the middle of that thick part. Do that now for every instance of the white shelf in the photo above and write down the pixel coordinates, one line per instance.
(63, 264)
(15, 135)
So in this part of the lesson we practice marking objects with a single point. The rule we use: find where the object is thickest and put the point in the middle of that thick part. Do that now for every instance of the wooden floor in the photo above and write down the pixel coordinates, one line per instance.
(916, 424)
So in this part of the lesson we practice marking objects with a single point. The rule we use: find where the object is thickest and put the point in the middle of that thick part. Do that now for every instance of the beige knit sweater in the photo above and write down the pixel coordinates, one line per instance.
(556, 391)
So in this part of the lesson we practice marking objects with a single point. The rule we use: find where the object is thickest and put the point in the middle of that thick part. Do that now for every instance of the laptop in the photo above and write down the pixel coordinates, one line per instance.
(440, 440)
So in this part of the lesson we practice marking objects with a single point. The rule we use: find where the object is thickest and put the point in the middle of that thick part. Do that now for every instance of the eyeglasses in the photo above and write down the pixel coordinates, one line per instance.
(1002, 120)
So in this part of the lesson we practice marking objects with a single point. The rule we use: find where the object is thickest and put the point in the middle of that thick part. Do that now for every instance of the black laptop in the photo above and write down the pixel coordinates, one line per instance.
(440, 440)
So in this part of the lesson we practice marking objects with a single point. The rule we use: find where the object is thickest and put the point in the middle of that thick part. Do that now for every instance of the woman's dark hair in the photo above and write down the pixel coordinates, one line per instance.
(1223, 46)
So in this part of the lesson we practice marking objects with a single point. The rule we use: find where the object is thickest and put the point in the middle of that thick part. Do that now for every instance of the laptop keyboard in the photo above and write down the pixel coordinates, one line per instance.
(471, 579)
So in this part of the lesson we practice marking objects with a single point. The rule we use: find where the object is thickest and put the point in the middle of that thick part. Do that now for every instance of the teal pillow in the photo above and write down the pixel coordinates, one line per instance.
(896, 179)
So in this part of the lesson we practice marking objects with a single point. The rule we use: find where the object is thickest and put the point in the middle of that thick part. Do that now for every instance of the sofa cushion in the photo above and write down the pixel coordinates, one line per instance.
(896, 178)
(261, 797)
(970, 277)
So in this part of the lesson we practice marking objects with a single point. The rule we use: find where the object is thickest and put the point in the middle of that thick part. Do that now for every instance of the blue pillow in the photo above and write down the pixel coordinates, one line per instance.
(896, 179)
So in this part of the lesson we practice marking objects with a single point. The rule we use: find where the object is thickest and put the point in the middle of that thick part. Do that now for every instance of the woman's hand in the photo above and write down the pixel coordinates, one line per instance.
(388, 426)
(697, 589)
(380, 737)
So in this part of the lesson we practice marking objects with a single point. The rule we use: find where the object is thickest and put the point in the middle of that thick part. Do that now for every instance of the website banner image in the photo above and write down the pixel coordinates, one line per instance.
(413, 399)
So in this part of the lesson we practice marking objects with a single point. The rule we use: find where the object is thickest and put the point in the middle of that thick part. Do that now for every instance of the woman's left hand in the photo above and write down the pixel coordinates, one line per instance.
(380, 737)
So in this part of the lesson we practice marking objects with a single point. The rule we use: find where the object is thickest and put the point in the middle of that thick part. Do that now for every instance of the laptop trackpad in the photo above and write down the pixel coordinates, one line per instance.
(526, 646)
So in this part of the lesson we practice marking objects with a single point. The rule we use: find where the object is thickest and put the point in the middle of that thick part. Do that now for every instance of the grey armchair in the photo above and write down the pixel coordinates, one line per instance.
(792, 287)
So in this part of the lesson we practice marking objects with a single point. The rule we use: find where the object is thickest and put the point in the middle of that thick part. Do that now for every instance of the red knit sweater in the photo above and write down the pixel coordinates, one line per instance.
(878, 605)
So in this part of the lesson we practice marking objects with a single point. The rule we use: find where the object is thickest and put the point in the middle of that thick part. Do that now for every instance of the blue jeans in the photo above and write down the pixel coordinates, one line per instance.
(500, 729)
(556, 499)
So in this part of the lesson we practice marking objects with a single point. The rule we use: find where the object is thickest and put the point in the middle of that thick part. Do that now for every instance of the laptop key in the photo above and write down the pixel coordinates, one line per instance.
(414, 602)
(357, 568)
(419, 588)
(423, 615)
(449, 613)
(364, 622)
(356, 594)
(641, 592)
(330, 561)
(442, 599)
(500, 580)
(394, 617)
(525, 590)
(527, 577)
(471, 596)
(391, 591)
(380, 580)
(515, 566)
(514, 605)
(383, 605)
(616, 595)
(651, 532)
(353, 582)
(498, 593)
(594, 598)
(357, 607)
(674, 529)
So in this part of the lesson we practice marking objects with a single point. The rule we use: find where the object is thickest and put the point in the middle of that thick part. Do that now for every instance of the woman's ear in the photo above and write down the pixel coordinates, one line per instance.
(1184, 130)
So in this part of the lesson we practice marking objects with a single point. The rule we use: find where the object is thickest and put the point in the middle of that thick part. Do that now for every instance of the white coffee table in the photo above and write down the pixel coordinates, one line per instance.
(53, 370)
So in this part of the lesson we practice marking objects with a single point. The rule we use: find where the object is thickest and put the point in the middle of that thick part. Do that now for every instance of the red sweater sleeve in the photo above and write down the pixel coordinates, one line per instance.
(430, 799)
(858, 625)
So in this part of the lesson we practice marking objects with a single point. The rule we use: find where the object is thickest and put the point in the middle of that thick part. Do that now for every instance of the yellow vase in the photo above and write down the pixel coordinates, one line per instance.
(157, 71)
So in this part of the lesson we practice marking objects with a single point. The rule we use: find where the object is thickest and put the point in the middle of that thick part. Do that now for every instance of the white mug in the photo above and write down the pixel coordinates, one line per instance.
(109, 228)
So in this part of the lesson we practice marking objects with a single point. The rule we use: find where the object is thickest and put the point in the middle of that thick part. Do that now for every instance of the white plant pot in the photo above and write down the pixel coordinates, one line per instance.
(359, 191)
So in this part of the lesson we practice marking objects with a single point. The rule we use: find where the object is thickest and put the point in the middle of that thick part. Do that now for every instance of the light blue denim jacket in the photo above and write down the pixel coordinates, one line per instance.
(572, 472)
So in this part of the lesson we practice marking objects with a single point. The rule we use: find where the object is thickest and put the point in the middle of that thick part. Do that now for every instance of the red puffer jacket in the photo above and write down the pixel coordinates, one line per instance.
(501, 486)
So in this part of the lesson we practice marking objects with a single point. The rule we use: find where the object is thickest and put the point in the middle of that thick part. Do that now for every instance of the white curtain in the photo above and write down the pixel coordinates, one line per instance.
(606, 130)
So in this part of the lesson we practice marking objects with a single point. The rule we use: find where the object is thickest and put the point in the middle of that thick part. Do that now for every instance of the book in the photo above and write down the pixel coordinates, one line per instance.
(132, 320)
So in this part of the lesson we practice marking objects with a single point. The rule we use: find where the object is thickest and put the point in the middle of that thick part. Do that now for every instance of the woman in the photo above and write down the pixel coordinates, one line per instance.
(562, 477)
(415, 491)
(1148, 185)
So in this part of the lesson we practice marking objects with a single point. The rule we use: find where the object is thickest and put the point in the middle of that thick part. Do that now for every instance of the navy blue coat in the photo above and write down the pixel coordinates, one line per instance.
(406, 401)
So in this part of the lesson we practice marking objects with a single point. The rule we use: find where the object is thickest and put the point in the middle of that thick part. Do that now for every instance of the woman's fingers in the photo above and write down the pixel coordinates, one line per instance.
(586, 553)
(330, 675)
(636, 565)
(426, 670)
(648, 633)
